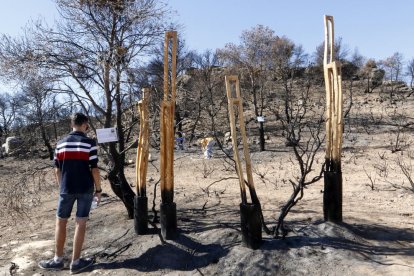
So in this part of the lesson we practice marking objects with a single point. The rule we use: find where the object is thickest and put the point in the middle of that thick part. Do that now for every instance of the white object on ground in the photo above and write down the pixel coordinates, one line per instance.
(94, 204)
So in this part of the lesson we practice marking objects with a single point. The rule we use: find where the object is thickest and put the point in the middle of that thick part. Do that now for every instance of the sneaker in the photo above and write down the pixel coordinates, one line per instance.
(80, 266)
(51, 265)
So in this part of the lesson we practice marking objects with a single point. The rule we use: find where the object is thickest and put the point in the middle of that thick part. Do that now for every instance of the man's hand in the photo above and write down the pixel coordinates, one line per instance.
(97, 180)
(98, 196)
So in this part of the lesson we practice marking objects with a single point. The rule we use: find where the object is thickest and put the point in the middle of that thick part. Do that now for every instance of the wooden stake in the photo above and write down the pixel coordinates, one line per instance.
(250, 213)
(332, 197)
(334, 99)
(329, 53)
(167, 119)
(141, 165)
(339, 123)
(170, 37)
(328, 113)
(238, 102)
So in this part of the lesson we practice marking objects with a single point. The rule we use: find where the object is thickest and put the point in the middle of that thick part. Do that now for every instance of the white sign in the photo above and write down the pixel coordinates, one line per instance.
(106, 135)
(260, 119)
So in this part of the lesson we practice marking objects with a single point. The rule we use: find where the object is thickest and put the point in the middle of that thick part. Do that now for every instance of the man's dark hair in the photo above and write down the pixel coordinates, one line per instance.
(78, 119)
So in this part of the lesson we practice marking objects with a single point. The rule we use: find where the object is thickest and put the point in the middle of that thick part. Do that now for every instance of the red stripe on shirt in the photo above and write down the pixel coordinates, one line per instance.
(73, 155)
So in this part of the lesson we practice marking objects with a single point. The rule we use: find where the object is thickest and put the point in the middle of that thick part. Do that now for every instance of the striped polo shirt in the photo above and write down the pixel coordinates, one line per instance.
(75, 156)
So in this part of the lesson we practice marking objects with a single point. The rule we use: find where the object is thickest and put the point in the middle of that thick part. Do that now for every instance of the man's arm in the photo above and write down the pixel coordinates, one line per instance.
(58, 176)
(93, 163)
(97, 180)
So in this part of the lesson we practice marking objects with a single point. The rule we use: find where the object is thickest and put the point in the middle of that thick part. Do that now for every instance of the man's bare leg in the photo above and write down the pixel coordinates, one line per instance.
(79, 237)
(60, 236)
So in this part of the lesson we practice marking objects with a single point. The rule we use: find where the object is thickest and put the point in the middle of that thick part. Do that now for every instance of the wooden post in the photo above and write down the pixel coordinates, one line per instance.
(141, 167)
(250, 212)
(168, 207)
(334, 128)
(143, 144)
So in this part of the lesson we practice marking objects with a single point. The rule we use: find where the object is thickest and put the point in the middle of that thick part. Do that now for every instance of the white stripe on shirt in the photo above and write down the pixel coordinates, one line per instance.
(73, 144)
(71, 149)
(93, 157)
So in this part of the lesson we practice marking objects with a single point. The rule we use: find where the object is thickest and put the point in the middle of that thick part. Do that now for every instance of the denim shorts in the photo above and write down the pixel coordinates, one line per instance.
(66, 202)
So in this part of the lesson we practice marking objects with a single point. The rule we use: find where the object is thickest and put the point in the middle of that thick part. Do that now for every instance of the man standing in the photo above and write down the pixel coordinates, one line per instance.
(77, 173)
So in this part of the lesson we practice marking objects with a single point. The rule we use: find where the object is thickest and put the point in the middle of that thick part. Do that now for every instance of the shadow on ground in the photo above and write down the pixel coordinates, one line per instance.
(187, 255)
(207, 247)
(371, 239)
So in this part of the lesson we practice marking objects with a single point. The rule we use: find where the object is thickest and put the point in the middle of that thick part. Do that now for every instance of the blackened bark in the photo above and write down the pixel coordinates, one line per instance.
(55, 130)
(167, 196)
(196, 121)
(262, 138)
(332, 197)
(280, 229)
(251, 225)
(46, 141)
(178, 119)
(116, 176)
(120, 186)
(332, 192)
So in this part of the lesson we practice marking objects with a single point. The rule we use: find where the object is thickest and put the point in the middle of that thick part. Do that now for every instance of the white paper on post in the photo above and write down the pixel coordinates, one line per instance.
(106, 135)
(260, 119)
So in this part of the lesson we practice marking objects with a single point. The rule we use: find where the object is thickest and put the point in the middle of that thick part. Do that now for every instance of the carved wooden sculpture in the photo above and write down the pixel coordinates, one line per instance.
(249, 212)
(168, 207)
(334, 127)
(141, 200)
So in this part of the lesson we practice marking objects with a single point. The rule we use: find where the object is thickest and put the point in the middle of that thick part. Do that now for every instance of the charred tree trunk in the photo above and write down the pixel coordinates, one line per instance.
(55, 129)
(280, 228)
(117, 178)
(45, 139)
(47, 143)
(258, 113)
(368, 90)
(116, 175)
(178, 119)
(262, 138)
(196, 121)
(120, 186)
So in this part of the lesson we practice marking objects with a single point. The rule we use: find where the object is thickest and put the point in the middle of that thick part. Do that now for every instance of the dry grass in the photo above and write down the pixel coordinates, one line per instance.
(21, 189)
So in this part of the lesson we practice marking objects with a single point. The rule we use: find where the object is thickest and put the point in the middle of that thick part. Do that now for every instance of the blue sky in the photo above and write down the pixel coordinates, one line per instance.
(378, 28)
